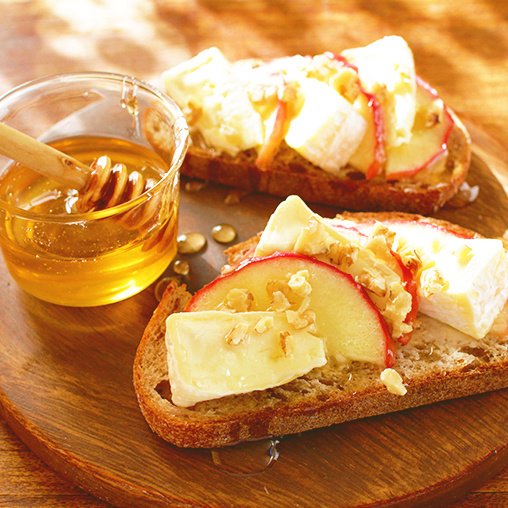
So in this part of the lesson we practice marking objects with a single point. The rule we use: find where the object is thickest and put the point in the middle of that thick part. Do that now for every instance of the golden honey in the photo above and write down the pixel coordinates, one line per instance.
(93, 258)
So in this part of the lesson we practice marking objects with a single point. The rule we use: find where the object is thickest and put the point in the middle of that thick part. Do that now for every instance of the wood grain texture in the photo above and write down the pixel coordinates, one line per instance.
(460, 47)
(66, 390)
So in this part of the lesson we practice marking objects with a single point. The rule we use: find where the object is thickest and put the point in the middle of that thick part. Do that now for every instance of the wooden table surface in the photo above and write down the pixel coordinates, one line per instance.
(460, 47)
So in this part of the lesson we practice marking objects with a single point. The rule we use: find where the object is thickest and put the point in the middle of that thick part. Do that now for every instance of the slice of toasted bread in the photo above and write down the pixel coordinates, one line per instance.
(438, 364)
(290, 174)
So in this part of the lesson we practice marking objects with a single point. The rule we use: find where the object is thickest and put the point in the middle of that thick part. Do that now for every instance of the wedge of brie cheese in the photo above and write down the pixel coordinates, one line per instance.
(462, 282)
(328, 129)
(213, 354)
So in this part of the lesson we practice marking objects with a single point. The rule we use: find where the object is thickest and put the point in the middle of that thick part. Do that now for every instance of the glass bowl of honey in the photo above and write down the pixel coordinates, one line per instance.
(66, 255)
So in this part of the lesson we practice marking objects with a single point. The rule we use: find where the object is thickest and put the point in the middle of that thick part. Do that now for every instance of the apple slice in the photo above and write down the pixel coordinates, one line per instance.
(386, 68)
(370, 156)
(428, 145)
(410, 285)
(276, 136)
(293, 227)
(312, 294)
(359, 233)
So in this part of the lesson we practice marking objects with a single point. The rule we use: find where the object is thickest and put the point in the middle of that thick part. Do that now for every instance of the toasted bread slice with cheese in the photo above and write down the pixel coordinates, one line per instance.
(438, 363)
(290, 174)
(326, 128)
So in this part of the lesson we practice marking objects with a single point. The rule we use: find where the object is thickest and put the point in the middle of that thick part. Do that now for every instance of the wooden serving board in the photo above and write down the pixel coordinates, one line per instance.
(66, 390)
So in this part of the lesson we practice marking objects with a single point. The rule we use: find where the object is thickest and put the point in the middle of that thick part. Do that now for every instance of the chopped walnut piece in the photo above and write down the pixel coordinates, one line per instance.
(239, 300)
(260, 92)
(299, 320)
(315, 237)
(393, 382)
(273, 286)
(380, 91)
(343, 255)
(464, 254)
(264, 323)
(435, 114)
(237, 334)
(279, 302)
(433, 119)
(289, 92)
(347, 84)
(373, 282)
(341, 78)
(412, 260)
(397, 306)
(314, 225)
(299, 283)
(432, 281)
(304, 304)
(380, 237)
(287, 343)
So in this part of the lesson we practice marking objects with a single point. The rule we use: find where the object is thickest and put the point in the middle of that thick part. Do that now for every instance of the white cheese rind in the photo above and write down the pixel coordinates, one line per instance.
(462, 282)
(474, 275)
(474, 293)
(328, 129)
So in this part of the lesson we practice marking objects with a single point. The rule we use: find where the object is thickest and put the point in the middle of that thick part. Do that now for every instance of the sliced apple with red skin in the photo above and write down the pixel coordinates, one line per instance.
(276, 136)
(370, 156)
(379, 159)
(349, 231)
(344, 316)
(406, 275)
(410, 285)
(428, 142)
(404, 225)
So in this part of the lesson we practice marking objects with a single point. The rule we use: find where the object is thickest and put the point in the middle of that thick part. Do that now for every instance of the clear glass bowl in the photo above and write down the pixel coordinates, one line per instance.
(102, 256)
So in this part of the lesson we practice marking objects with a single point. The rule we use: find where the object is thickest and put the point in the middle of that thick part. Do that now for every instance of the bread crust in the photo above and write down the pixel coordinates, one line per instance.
(431, 369)
(292, 174)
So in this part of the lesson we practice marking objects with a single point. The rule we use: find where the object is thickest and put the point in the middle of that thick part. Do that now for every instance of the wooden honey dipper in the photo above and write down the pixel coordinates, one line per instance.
(100, 185)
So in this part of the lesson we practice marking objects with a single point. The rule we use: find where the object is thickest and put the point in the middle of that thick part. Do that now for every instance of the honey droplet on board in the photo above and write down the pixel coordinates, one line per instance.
(194, 186)
(235, 196)
(190, 243)
(160, 287)
(224, 233)
(246, 459)
(181, 267)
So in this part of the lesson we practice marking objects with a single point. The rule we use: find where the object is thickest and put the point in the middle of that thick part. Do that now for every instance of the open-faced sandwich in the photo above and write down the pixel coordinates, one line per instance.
(318, 321)
(357, 129)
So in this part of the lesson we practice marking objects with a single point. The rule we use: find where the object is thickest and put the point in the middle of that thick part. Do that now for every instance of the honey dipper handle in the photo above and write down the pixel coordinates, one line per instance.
(42, 158)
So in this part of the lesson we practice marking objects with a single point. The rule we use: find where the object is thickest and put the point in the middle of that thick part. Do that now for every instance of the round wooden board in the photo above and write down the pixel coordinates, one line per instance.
(66, 390)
